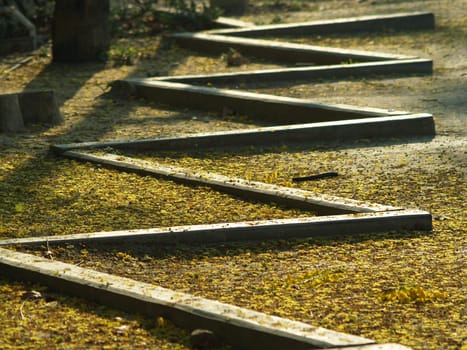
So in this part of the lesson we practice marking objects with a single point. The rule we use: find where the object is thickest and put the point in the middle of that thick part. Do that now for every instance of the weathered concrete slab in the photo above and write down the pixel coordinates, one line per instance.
(284, 110)
(277, 50)
(368, 128)
(397, 21)
(238, 326)
(331, 226)
(310, 73)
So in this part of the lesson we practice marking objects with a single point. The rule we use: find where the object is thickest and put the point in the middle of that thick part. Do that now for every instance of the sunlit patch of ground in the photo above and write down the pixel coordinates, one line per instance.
(407, 288)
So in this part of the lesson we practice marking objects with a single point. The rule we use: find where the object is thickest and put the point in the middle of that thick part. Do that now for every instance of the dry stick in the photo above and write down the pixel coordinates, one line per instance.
(32, 294)
(17, 65)
(315, 177)
(21, 310)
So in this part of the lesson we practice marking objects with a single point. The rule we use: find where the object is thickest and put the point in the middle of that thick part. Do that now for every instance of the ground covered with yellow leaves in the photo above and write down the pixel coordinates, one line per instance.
(394, 287)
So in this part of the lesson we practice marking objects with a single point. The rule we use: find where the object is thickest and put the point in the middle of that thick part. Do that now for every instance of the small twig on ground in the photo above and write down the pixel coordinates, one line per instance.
(21, 310)
(315, 177)
(16, 66)
(32, 294)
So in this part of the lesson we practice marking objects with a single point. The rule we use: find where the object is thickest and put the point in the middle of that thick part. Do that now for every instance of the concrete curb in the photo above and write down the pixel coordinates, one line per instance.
(392, 67)
(331, 226)
(278, 51)
(384, 127)
(271, 108)
(397, 21)
(238, 326)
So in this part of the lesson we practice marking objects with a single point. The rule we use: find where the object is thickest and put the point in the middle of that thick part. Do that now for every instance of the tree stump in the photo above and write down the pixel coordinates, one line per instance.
(231, 7)
(28, 107)
(39, 107)
(80, 30)
(11, 119)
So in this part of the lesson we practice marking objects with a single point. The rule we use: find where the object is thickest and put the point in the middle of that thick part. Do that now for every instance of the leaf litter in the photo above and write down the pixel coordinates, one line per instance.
(393, 287)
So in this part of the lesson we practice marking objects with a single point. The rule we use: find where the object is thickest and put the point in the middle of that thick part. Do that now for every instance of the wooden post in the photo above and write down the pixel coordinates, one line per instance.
(39, 107)
(80, 30)
(11, 119)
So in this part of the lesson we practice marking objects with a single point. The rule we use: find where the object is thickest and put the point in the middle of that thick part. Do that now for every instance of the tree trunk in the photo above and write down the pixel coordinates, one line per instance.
(231, 7)
(81, 30)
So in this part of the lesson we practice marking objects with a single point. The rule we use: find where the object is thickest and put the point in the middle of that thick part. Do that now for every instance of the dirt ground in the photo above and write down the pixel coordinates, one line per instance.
(407, 288)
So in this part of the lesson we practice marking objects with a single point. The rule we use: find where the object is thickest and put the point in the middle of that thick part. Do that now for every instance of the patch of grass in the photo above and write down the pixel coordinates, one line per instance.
(123, 55)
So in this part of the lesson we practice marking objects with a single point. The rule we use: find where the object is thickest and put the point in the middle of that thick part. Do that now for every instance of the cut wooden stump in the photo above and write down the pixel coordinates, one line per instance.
(39, 107)
(28, 107)
(11, 119)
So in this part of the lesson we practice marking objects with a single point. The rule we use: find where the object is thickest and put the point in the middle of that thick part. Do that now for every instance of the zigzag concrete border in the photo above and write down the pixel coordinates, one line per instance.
(349, 121)
(239, 326)
(393, 217)
(175, 90)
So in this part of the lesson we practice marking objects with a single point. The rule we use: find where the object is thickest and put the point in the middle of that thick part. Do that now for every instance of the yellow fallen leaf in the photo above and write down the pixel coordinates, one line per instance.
(19, 207)
(161, 321)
